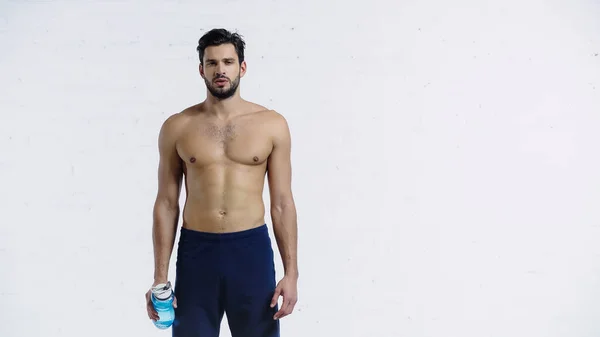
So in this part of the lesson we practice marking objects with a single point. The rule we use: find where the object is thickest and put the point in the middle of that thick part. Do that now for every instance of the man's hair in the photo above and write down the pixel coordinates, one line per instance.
(219, 36)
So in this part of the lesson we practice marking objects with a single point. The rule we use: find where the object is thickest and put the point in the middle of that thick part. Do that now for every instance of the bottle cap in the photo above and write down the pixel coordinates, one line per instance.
(162, 291)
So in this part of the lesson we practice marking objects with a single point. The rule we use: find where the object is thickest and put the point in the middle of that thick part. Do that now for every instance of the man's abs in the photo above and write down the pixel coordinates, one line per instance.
(224, 199)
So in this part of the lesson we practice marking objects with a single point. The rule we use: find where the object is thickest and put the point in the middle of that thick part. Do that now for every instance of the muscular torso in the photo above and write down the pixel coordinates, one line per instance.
(224, 165)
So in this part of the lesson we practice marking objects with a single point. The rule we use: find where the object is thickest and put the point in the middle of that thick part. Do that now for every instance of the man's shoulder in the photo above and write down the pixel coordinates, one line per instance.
(178, 119)
(275, 122)
(268, 114)
(278, 119)
(174, 124)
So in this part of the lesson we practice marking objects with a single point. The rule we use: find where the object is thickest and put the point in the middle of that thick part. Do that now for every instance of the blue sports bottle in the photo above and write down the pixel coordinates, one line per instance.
(162, 299)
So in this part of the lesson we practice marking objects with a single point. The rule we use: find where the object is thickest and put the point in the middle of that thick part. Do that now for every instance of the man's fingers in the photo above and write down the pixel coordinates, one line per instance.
(275, 296)
(283, 304)
(174, 302)
(152, 314)
(290, 307)
(287, 308)
(279, 313)
(283, 311)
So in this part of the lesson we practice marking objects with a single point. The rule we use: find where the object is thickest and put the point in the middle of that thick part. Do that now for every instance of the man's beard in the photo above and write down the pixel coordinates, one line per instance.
(223, 93)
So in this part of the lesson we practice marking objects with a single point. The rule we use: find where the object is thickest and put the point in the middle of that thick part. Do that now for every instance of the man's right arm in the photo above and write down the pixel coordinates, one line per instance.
(166, 207)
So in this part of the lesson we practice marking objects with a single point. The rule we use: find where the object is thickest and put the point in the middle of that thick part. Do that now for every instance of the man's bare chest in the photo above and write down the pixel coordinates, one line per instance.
(210, 143)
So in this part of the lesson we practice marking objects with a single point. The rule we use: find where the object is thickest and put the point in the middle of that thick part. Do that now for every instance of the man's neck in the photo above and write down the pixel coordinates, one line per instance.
(223, 109)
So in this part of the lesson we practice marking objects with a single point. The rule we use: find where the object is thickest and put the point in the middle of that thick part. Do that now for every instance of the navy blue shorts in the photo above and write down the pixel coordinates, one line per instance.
(231, 273)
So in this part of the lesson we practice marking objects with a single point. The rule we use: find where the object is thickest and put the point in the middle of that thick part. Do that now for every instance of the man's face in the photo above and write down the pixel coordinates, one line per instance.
(221, 70)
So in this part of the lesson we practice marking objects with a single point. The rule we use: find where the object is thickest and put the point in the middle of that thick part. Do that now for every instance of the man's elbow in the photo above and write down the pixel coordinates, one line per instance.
(282, 204)
(166, 208)
(167, 202)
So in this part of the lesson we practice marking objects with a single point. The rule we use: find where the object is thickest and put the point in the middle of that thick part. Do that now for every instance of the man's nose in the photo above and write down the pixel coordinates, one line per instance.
(220, 69)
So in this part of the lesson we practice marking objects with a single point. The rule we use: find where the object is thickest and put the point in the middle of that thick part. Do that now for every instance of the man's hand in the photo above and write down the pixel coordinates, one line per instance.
(152, 314)
(288, 288)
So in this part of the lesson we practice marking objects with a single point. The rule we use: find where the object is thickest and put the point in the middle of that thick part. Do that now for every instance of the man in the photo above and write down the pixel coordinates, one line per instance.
(224, 147)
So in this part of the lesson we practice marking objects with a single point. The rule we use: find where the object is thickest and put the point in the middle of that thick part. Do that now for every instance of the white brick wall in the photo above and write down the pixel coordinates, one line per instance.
(451, 147)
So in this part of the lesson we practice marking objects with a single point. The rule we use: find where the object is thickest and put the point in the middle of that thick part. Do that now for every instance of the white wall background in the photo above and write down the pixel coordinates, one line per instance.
(450, 146)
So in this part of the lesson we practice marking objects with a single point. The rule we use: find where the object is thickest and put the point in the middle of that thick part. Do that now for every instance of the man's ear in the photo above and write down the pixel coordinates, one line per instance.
(201, 70)
(243, 67)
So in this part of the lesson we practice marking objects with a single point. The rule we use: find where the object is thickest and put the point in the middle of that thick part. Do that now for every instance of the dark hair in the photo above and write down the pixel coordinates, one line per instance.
(219, 36)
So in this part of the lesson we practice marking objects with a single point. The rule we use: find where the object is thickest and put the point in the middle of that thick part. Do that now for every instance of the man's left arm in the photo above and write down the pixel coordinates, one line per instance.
(283, 215)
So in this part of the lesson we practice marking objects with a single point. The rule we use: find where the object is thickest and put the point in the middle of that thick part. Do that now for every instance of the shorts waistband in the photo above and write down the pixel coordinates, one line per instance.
(260, 230)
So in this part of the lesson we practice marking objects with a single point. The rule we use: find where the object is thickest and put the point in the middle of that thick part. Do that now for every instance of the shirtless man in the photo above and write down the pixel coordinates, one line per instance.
(224, 147)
